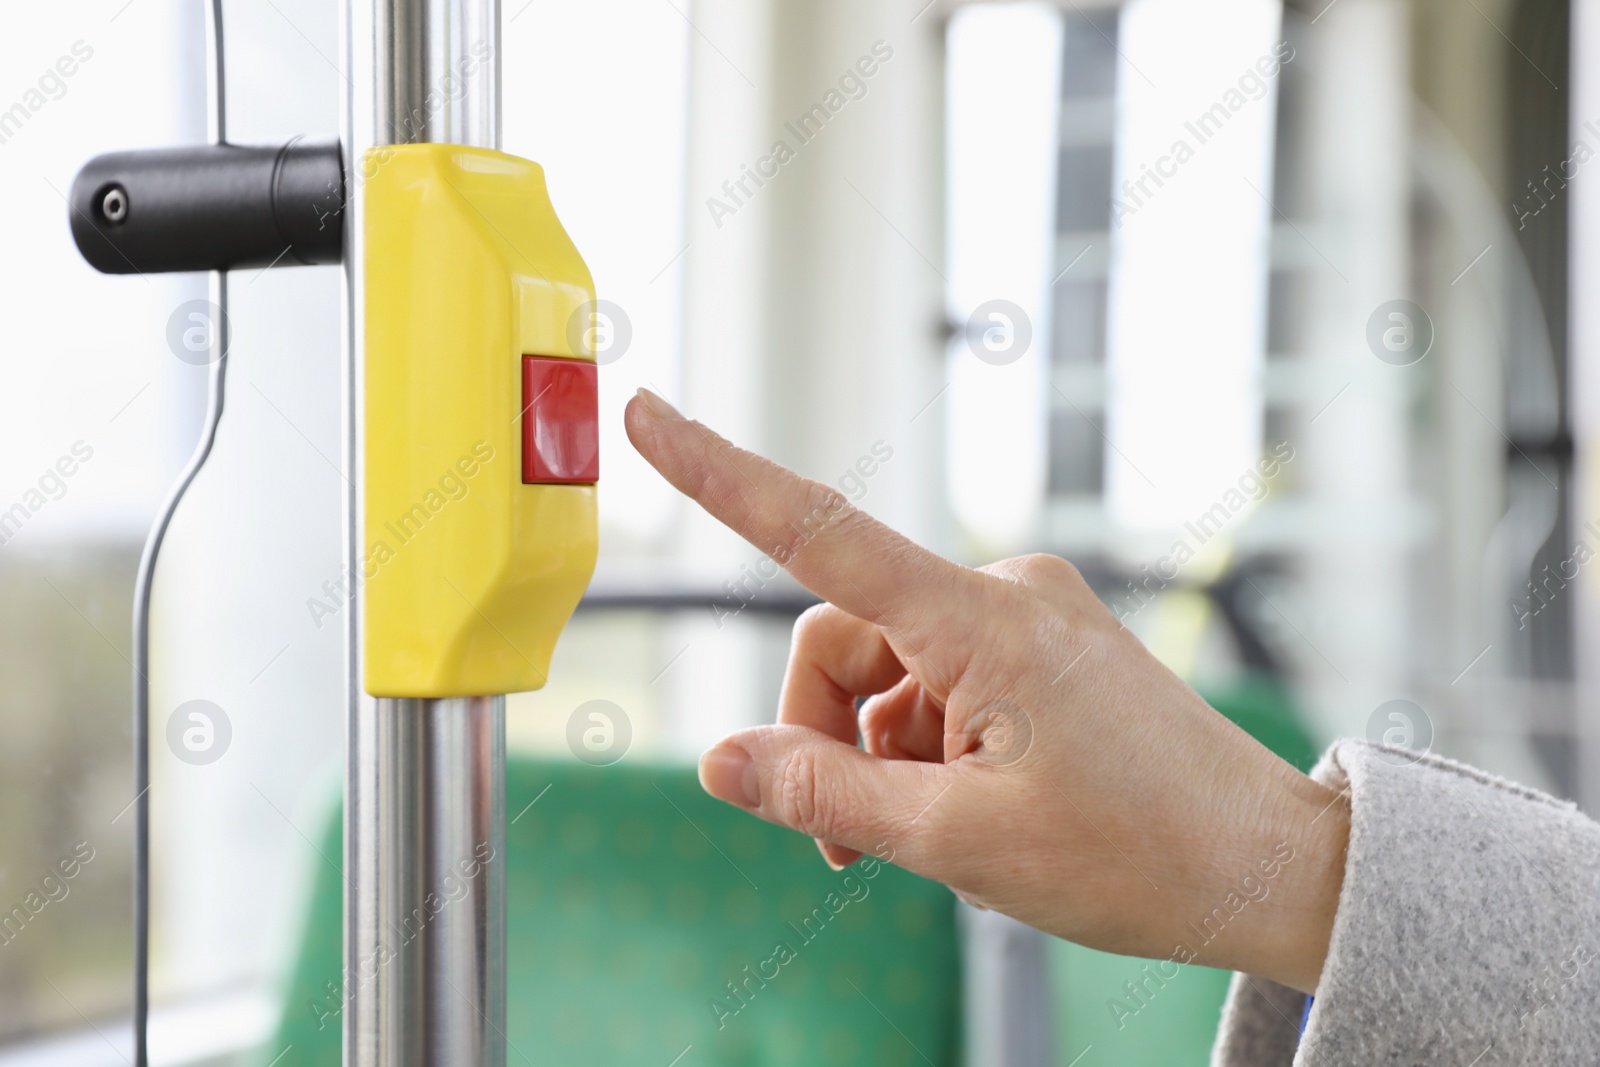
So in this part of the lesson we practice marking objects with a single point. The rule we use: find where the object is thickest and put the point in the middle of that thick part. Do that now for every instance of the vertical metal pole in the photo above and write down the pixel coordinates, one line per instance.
(424, 918)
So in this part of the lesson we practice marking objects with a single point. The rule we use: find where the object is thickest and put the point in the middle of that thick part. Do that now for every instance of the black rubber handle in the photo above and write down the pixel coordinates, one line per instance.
(210, 207)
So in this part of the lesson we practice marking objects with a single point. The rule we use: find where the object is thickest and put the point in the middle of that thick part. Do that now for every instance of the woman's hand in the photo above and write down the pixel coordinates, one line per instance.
(1021, 745)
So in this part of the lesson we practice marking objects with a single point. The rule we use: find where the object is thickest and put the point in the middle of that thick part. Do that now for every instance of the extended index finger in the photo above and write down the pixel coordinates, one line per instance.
(832, 548)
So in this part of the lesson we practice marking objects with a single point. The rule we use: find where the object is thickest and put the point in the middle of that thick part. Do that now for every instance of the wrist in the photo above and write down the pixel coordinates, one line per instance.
(1274, 870)
(1290, 942)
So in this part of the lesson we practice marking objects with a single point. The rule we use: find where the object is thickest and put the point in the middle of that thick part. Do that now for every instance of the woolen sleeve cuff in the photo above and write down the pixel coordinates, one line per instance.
(1466, 933)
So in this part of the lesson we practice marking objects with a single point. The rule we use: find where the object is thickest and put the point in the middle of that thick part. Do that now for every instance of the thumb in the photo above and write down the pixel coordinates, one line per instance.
(824, 788)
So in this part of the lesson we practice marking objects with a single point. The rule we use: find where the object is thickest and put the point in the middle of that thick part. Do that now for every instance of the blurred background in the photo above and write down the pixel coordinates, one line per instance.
(1263, 313)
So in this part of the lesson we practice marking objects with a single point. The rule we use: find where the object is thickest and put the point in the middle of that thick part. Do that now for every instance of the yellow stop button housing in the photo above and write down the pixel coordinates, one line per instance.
(469, 573)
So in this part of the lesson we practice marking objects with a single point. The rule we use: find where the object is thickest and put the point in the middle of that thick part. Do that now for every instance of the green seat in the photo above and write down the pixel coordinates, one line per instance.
(1174, 1024)
(644, 917)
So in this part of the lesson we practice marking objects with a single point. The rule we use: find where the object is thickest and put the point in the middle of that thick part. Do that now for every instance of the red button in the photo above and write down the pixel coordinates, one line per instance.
(560, 421)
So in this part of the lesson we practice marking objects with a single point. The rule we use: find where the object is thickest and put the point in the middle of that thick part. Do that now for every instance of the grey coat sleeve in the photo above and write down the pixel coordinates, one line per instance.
(1467, 929)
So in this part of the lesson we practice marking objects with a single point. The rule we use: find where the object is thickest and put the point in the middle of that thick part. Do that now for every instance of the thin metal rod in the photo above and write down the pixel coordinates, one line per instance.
(216, 76)
(142, 586)
(424, 779)
(144, 579)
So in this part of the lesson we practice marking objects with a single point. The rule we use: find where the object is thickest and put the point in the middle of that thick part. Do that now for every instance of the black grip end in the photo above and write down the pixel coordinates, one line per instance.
(210, 207)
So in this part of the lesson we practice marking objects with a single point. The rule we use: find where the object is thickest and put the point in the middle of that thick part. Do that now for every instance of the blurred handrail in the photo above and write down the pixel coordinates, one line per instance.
(778, 603)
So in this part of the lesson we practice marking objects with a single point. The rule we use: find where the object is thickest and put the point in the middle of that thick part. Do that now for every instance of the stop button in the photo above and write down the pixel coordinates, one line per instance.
(560, 421)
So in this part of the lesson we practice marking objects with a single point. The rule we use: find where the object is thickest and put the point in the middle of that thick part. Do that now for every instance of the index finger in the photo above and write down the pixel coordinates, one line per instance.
(833, 549)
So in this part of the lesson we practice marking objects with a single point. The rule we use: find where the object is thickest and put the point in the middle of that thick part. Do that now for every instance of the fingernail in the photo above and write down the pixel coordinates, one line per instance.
(827, 857)
(728, 773)
(658, 407)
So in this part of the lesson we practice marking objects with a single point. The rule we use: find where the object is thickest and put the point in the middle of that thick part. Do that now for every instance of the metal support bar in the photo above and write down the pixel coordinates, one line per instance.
(425, 900)
(425, 779)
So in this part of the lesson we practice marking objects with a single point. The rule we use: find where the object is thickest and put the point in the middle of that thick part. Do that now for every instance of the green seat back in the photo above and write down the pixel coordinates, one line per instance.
(633, 900)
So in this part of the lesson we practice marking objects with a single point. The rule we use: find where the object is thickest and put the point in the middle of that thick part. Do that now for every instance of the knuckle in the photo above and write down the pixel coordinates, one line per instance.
(719, 495)
(822, 508)
(1030, 571)
(812, 624)
(708, 464)
(800, 795)
(877, 729)
(873, 716)
(1044, 567)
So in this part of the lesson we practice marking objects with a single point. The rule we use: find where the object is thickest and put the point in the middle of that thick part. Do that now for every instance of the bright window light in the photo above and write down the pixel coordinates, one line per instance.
(1191, 222)
(598, 94)
(1004, 75)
